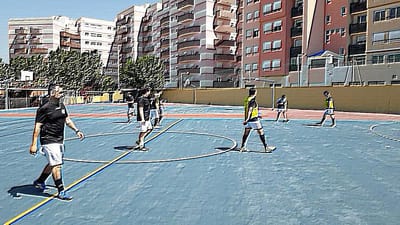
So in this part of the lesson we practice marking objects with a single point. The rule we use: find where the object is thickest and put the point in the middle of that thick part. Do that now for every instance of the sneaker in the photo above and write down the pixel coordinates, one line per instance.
(156, 127)
(62, 195)
(269, 149)
(40, 186)
(243, 149)
(333, 125)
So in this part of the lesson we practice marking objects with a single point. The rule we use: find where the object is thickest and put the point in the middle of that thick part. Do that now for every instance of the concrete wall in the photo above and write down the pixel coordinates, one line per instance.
(377, 99)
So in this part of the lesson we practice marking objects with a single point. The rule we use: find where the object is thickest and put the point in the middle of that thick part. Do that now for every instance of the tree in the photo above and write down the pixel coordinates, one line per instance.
(146, 71)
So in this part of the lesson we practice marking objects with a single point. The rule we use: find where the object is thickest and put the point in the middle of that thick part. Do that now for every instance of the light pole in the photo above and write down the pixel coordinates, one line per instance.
(181, 79)
(118, 52)
(298, 69)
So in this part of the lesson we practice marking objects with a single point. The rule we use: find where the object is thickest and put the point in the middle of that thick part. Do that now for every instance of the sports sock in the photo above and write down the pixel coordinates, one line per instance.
(59, 185)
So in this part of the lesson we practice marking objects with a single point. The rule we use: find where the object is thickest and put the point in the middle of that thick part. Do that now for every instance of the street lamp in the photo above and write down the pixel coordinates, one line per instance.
(118, 52)
(181, 79)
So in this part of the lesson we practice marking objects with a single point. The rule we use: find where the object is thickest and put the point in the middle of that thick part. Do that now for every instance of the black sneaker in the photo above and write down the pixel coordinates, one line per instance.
(40, 186)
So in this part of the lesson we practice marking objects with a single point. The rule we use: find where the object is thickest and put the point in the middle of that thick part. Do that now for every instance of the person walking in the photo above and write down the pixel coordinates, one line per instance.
(131, 106)
(49, 125)
(143, 117)
(282, 104)
(252, 121)
(329, 110)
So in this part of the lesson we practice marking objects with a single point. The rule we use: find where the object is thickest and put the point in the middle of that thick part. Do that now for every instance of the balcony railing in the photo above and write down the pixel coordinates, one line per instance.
(39, 50)
(185, 3)
(164, 20)
(191, 43)
(296, 31)
(224, 57)
(186, 16)
(182, 58)
(297, 11)
(227, 43)
(164, 31)
(358, 27)
(187, 30)
(223, 70)
(358, 6)
(294, 51)
(164, 42)
(189, 70)
(356, 49)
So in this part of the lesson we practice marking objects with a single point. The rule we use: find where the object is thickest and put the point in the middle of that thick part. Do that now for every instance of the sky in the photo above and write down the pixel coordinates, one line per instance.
(97, 9)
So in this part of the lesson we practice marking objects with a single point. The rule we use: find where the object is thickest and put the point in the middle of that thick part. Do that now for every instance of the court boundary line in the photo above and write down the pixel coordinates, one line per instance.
(162, 160)
(82, 179)
(372, 127)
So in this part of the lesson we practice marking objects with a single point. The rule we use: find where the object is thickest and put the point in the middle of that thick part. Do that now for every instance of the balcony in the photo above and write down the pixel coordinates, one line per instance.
(186, 44)
(223, 70)
(148, 49)
(39, 50)
(358, 27)
(184, 4)
(190, 70)
(297, 11)
(164, 53)
(294, 51)
(356, 49)
(164, 20)
(164, 42)
(227, 2)
(164, 31)
(294, 67)
(192, 57)
(35, 31)
(224, 43)
(185, 17)
(188, 30)
(358, 7)
(224, 57)
(70, 44)
(296, 31)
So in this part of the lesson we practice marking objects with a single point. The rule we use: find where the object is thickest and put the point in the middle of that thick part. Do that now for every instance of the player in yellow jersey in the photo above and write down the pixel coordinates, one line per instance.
(329, 110)
(252, 121)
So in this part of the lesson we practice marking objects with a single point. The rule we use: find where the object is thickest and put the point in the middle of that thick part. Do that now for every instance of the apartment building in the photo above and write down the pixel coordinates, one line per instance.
(125, 44)
(196, 41)
(37, 36)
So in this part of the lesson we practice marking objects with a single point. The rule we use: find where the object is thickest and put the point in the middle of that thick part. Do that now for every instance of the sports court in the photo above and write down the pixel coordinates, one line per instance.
(192, 174)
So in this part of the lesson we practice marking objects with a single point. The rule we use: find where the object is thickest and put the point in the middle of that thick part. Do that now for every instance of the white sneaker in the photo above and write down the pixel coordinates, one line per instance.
(243, 149)
(269, 149)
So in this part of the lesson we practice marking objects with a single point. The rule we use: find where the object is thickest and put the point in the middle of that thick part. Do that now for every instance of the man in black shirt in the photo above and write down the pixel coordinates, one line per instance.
(143, 117)
(49, 124)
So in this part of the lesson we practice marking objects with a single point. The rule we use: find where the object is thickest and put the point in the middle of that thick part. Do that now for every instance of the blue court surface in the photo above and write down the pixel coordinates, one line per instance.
(191, 174)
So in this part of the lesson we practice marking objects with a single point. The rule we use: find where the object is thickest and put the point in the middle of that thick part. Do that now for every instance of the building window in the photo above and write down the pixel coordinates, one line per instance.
(255, 49)
(342, 32)
(249, 33)
(379, 15)
(378, 37)
(267, 8)
(277, 6)
(327, 36)
(394, 13)
(248, 16)
(267, 27)
(276, 45)
(327, 19)
(255, 67)
(394, 36)
(256, 14)
(266, 65)
(247, 67)
(248, 50)
(362, 19)
(249, 2)
(328, 1)
(361, 39)
(297, 43)
(276, 64)
(343, 11)
(266, 46)
(341, 51)
(377, 59)
(395, 58)
(256, 32)
(278, 25)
